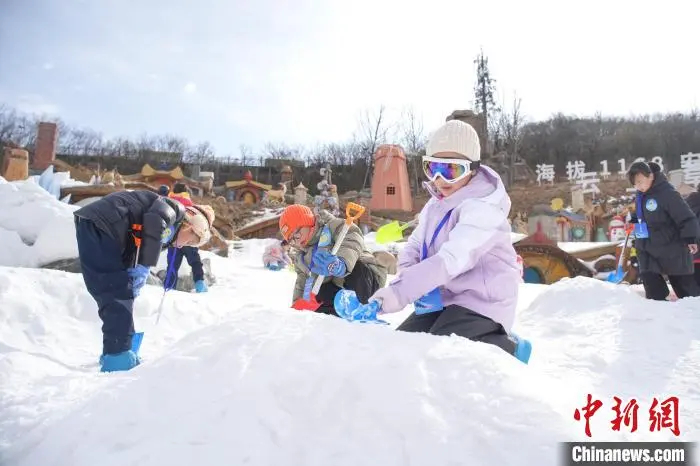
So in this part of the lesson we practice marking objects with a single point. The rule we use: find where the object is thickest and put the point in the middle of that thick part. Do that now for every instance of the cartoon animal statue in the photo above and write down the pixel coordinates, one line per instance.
(328, 198)
(520, 224)
(277, 194)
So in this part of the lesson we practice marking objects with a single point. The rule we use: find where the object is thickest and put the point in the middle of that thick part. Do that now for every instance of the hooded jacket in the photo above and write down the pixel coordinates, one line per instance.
(274, 254)
(351, 251)
(672, 226)
(116, 213)
(693, 201)
(472, 259)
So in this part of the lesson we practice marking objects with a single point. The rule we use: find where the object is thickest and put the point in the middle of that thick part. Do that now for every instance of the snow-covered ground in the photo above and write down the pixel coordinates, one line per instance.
(35, 227)
(235, 376)
(574, 247)
(263, 215)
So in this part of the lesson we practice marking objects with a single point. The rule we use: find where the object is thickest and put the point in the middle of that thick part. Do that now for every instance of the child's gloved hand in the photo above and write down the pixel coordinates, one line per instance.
(429, 302)
(325, 263)
(387, 299)
(138, 275)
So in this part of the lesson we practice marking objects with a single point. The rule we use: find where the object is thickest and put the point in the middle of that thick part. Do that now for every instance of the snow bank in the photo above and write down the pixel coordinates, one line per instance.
(613, 340)
(53, 181)
(574, 247)
(43, 225)
(234, 376)
(373, 246)
(308, 390)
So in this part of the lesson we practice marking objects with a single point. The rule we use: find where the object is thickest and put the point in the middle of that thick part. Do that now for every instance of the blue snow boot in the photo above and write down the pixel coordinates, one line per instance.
(523, 348)
(200, 286)
(119, 362)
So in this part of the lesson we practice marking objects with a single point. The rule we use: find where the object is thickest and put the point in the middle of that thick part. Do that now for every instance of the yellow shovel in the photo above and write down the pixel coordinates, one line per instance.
(392, 232)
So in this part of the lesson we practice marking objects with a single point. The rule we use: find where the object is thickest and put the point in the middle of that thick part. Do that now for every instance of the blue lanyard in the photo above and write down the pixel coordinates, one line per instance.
(313, 253)
(170, 273)
(640, 211)
(442, 223)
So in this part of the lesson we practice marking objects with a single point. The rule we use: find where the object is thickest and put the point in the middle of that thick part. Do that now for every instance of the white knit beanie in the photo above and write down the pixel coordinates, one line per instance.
(455, 136)
(200, 219)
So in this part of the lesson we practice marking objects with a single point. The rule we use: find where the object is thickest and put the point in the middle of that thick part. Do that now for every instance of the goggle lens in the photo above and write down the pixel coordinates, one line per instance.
(448, 170)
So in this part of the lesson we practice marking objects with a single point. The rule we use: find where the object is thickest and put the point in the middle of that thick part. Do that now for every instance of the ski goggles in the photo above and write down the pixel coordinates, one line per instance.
(450, 170)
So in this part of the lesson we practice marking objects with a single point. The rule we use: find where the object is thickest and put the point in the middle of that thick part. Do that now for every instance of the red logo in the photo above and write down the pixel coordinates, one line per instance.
(662, 414)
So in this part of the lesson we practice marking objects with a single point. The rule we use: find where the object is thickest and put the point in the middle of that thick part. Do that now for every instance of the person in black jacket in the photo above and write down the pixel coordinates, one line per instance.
(693, 201)
(120, 237)
(666, 234)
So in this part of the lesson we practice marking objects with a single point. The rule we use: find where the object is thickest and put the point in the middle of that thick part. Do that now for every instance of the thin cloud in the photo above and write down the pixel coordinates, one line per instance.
(301, 72)
(35, 104)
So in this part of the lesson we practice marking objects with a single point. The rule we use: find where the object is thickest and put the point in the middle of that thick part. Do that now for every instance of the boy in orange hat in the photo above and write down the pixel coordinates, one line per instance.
(353, 268)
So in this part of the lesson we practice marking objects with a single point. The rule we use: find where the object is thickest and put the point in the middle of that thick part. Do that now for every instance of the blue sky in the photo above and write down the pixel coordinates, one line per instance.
(302, 71)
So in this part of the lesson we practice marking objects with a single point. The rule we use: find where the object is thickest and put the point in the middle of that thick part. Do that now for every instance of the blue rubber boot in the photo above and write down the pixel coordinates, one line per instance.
(523, 348)
(119, 362)
(200, 286)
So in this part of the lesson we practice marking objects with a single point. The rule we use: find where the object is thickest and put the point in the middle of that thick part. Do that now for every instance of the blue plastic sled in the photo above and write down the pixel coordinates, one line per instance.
(349, 308)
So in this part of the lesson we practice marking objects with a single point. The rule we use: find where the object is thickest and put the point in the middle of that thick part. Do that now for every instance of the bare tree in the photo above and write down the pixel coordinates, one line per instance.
(511, 132)
(201, 153)
(246, 153)
(413, 140)
(412, 132)
(283, 152)
(372, 132)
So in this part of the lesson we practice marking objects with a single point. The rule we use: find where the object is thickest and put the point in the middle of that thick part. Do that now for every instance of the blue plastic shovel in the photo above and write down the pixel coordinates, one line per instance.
(618, 275)
(348, 306)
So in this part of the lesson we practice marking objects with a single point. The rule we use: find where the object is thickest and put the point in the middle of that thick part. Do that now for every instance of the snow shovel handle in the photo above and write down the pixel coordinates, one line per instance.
(621, 260)
(409, 224)
(352, 212)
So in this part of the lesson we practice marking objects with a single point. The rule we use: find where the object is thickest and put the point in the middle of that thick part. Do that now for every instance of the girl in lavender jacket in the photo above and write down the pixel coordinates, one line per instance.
(459, 267)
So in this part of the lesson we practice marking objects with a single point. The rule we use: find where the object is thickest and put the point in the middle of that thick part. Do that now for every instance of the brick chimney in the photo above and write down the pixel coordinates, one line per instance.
(45, 150)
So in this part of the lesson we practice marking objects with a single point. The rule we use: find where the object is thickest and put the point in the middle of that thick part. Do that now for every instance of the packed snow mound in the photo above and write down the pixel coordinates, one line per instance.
(37, 227)
(260, 385)
(245, 392)
(236, 377)
(616, 342)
